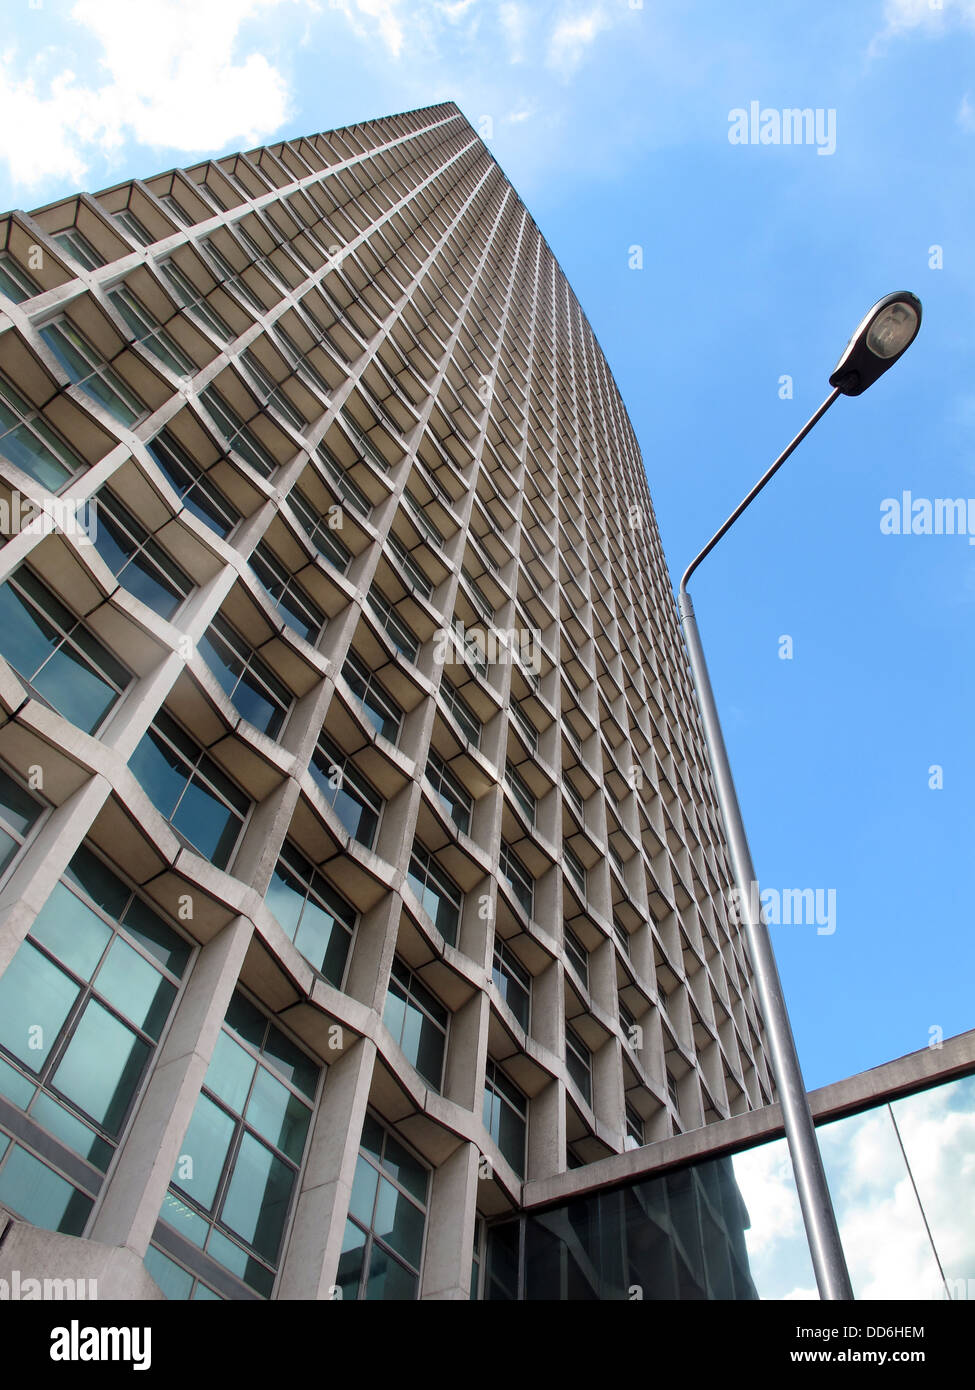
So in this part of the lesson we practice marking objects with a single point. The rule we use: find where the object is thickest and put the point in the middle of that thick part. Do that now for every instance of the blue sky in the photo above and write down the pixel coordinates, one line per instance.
(612, 120)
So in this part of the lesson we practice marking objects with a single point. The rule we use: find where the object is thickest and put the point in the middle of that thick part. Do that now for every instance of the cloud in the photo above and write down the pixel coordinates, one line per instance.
(512, 20)
(902, 17)
(572, 37)
(185, 89)
(966, 115)
(385, 14)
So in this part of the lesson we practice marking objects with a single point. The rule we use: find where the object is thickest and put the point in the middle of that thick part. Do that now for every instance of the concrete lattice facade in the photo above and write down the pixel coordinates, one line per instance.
(353, 361)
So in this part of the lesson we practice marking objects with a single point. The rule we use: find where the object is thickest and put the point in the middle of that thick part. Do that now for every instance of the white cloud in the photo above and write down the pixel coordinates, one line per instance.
(385, 13)
(571, 38)
(455, 10)
(966, 114)
(512, 20)
(172, 79)
(903, 17)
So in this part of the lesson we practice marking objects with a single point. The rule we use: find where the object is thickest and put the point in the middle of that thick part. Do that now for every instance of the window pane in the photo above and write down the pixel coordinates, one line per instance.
(207, 823)
(40, 1196)
(73, 688)
(350, 1261)
(230, 1072)
(388, 1280)
(23, 448)
(136, 988)
(102, 1066)
(28, 639)
(35, 998)
(278, 1114)
(363, 1199)
(203, 1152)
(161, 771)
(257, 1200)
(175, 1282)
(71, 931)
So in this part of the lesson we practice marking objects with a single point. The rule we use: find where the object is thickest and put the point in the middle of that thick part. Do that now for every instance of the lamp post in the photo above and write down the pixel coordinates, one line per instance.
(884, 334)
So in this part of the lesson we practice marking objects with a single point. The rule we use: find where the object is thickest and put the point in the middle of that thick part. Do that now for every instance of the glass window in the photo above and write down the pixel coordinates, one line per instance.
(126, 218)
(411, 570)
(439, 895)
(79, 248)
(299, 361)
(236, 433)
(403, 638)
(455, 800)
(15, 283)
(528, 731)
(189, 297)
(270, 393)
(150, 334)
(59, 659)
(634, 1128)
(506, 1116)
(339, 478)
(27, 441)
(286, 594)
(426, 526)
(381, 709)
(383, 1246)
(576, 872)
(418, 1022)
(19, 812)
(320, 530)
(199, 495)
(354, 799)
(237, 1174)
(578, 1060)
(319, 922)
(187, 787)
(517, 877)
(225, 270)
(465, 717)
(521, 792)
(251, 685)
(577, 955)
(513, 981)
(83, 1005)
(135, 558)
(87, 370)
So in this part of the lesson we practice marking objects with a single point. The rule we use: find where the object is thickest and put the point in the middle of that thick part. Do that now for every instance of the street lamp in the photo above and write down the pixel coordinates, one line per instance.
(885, 334)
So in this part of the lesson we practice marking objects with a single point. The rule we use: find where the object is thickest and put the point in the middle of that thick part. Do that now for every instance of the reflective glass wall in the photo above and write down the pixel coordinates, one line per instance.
(902, 1176)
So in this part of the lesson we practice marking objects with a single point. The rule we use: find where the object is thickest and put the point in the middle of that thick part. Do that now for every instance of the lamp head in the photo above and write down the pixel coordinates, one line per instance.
(885, 334)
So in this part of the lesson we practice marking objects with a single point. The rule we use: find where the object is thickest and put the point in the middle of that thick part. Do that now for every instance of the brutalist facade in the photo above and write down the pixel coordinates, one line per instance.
(361, 859)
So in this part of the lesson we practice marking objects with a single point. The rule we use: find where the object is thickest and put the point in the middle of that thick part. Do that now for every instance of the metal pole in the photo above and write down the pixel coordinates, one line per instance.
(818, 1216)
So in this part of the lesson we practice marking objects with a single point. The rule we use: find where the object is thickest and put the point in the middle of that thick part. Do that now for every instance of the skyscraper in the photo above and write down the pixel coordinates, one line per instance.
(361, 858)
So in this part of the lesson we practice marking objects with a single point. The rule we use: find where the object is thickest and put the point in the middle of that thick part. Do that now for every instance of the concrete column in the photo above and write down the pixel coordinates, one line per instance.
(450, 1227)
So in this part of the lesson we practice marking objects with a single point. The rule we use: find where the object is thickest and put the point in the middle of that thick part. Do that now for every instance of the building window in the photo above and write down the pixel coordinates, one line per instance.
(380, 708)
(15, 283)
(28, 442)
(287, 595)
(402, 636)
(83, 1005)
(578, 1061)
(299, 363)
(622, 936)
(414, 574)
(576, 872)
(634, 1128)
(418, 1023)
(79, 248)
(198, 494)
(137, 561)
(521, 792)
(270, 393)
(189, 790)
(423, 522)
(150, 334)
(19, 812)
(353, 798)
(382, 1251)
(455, 800)
(517, 877)
(506, 1116)
(57, 657)
(188, 297)
(226, 272)
(672, 1091)
(253, 688)
(343, 484)
(320, 531)
(577, 955)
(513, 981)
(233, 1185)
(464, 716)
(127, 219)
(237, 435)
(629, 1025)
(319, 922)
(528, 731)
(437, 892)
(176, 1282)
(96, 378)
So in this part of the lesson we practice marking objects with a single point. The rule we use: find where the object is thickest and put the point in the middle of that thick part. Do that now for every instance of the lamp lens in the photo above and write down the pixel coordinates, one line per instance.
(892, 330)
